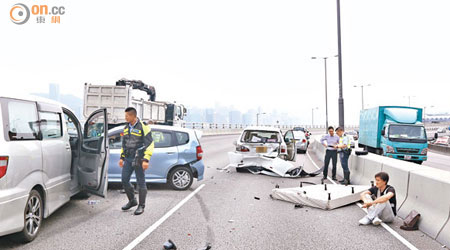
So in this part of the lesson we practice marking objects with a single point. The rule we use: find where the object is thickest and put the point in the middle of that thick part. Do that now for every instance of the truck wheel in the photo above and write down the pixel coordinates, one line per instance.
(33, 215)
(181, 178)
(419, 162)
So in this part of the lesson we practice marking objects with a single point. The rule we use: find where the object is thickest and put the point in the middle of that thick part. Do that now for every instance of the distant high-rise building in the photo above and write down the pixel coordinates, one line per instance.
(235, 117)
(210, 116)
(74, 103)
(195, 115)
(249, 117)
(54, 91)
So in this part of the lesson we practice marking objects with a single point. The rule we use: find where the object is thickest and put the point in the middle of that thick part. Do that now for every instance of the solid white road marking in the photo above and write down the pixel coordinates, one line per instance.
(389, 229)
(149, 230)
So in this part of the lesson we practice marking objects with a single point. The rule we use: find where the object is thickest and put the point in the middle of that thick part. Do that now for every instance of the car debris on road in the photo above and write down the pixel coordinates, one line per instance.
(169, 245)
(327, 196)
(273, 166)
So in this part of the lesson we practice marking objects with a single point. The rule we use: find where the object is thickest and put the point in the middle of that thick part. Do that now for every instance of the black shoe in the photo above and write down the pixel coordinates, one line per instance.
(139, 210)
(334, 178)
(345, 182)
(129, 205)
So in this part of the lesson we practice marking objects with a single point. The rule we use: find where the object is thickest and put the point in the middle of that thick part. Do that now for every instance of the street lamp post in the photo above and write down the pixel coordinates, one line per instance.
(341, 98)
(362, 93)
(326, 87)
(424, 109)
(257, 118)
(312, 116)
(409, 99)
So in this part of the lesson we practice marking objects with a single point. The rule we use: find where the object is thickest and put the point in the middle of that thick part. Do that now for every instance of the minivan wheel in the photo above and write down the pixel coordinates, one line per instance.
(181, 178)
(33, 214)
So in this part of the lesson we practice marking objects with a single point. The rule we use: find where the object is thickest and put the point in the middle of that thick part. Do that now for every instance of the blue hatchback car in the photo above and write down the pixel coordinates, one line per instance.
(176, 159)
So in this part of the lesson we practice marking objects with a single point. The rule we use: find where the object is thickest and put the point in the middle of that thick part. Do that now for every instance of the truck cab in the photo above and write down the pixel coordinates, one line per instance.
(405, 142)
(394, 131)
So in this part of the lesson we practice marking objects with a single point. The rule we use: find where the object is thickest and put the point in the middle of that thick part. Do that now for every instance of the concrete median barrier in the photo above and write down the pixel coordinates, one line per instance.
(372, 165)
(421, 188)
(356, 166)
(399, 172)
(428, 194)
(438, 148)
(444, 235)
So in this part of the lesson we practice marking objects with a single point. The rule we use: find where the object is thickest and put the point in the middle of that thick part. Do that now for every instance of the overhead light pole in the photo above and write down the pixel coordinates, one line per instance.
(409, 99)
(341, 97)
(326, 86)
(257, 118)
(424, 110)
(362, 93)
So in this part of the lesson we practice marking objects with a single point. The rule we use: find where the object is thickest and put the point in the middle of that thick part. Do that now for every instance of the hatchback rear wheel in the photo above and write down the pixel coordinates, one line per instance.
(181, 178)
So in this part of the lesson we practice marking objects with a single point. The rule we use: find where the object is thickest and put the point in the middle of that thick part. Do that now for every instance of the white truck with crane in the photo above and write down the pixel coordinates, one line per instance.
(131, 93)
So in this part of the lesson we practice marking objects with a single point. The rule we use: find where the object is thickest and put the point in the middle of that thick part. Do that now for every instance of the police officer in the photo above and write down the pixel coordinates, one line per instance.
(137, 148)
(344, 152)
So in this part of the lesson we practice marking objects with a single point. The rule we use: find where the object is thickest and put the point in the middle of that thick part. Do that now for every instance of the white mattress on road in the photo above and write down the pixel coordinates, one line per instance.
(317, 196)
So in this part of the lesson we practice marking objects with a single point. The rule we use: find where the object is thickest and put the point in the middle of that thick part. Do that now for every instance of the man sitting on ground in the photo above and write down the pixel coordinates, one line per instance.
(383, 206)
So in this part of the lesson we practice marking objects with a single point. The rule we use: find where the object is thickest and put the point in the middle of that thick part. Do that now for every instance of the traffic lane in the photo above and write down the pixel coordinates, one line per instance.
(417, 238)
(227, 215)
(434, 160)
(215, 151)
(100, 226)
(439, 161)
(78, 222)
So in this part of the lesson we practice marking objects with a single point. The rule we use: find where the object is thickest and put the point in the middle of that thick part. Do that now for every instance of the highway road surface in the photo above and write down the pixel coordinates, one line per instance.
(223, 211)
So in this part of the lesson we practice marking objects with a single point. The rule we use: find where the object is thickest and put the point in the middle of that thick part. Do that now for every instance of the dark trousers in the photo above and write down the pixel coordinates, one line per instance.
(343, 156)
(127, 171)
(330, 154)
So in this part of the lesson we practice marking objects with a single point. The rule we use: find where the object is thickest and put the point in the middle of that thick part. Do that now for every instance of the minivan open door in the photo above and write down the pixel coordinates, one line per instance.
(94, 155)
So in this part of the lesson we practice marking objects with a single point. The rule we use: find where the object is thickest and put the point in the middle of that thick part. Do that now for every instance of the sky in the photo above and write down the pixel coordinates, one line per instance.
(241, 53)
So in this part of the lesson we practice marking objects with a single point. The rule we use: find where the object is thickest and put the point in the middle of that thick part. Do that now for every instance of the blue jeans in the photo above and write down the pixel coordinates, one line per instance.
(344, 161)
(127, 171)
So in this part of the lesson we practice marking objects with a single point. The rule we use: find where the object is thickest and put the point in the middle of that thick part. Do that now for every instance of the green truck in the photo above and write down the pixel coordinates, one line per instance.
(394, 131)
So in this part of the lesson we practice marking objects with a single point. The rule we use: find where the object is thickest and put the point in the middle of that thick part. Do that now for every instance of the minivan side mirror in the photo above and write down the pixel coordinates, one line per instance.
(383, 132)
(235, 143)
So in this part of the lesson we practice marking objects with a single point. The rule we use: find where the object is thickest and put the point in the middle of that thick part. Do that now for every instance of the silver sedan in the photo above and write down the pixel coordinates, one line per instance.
(301, 141)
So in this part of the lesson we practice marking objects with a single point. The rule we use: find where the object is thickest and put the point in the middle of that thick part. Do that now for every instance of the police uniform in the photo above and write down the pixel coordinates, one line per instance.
(137, 146)
(344, 154)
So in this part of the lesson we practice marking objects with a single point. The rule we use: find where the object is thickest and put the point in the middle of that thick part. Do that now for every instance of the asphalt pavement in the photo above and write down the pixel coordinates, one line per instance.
(232, 211)
(438, 160)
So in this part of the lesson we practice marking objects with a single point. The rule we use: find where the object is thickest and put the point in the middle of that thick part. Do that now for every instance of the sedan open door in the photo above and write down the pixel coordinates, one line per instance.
(291, 147)
(94, 154)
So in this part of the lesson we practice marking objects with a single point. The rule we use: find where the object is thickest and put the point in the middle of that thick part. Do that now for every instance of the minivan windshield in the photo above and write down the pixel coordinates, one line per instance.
(407, 133)
(255, 136)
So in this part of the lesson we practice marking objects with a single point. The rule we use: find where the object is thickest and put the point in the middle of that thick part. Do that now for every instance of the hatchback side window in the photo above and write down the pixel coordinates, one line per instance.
(71, 127)
(182, 138)
(51, 126)
(115, 141)
(162, 139)
(23, 121)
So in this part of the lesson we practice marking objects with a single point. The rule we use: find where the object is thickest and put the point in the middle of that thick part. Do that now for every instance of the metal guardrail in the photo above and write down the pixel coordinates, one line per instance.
(199, 125)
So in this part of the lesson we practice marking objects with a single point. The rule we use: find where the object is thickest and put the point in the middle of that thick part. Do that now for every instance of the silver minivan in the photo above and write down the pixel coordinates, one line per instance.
(46, 157)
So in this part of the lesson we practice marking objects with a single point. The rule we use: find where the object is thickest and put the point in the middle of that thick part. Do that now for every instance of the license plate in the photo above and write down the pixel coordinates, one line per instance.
(261, 149)
(407, 157)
